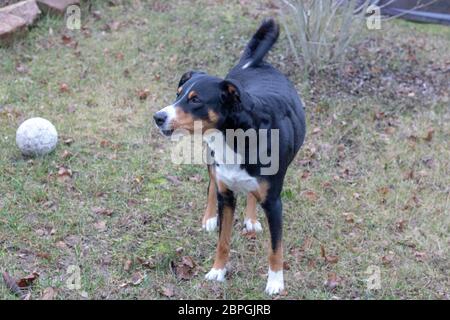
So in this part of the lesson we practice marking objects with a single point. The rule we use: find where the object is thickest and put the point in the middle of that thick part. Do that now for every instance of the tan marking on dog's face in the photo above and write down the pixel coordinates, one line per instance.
(192, 94)
(183, 120)
(276, 257)
(180, 89)
(211, 122)
(261, 193)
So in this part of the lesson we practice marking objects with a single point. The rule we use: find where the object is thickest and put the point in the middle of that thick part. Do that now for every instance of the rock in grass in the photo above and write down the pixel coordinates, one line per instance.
(10, 27)
(27, 10)
(57, 7)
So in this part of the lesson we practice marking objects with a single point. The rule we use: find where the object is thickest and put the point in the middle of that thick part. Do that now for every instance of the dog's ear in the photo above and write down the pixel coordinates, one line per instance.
(187, 76)
(231, 92)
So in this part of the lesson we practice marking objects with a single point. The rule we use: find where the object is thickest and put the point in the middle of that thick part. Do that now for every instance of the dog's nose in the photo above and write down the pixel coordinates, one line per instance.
(160, 118)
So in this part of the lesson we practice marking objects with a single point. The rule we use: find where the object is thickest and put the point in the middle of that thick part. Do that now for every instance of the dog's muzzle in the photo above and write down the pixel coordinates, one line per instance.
(163, 119)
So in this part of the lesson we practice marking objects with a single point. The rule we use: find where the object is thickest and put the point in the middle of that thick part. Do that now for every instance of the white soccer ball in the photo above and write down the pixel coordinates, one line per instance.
(36, 137)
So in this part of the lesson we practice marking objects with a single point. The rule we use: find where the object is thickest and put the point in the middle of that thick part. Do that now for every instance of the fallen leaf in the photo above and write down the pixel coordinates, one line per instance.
(328, 258)
(143, 94)
(429, 136)
(28, 280)
(420, 255)
(119, 56)
(185, 270)
(174, 180)
(310, 195)
(387, 259)
(114, 26)
(103, 211)
(21, 68)
(68, 141)
(64, 174)
(148, 263)
(127, 265)
(48, 294)
(349, 217)
(66, 154)
(168, 291)
(66, 39)
(61, 245)
(188, 261)
(316, 130)
(400, 225)
(137, 278)
(390, 130)
(100, 225)
(63, 87)
(332, 281)
(306, 174)
(383, 190)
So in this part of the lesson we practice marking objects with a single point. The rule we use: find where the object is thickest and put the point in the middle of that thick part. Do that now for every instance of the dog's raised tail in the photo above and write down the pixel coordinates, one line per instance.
(260, 43)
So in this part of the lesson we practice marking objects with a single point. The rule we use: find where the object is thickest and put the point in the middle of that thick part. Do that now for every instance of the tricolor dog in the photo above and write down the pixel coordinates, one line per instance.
(253, 97)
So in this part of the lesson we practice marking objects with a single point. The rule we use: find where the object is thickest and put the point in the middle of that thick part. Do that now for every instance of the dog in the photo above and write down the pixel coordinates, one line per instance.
(253, 96)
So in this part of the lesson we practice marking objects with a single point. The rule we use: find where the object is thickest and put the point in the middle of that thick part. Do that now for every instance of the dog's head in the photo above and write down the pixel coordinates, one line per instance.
(202, 98)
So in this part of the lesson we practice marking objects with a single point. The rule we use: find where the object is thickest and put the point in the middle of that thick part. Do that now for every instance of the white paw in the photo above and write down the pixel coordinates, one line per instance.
(275, 282)
(210, 224)
(250, 226)
(216, 274)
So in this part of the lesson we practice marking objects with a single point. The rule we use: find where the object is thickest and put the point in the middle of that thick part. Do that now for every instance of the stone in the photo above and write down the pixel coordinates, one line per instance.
(27, 10)
(10, 26)
(56, 6)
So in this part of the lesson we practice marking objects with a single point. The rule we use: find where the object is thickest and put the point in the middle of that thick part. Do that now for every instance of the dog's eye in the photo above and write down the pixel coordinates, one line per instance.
(195, 99)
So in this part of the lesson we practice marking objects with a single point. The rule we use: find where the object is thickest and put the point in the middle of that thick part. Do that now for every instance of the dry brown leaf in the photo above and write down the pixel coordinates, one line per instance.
(137, 278)
(168, 291)
(349, 217)
(332, 281)
(100, 226)
(102, 211)
(127, 265)
(174, 180)
(420, 255)
(64, 174)
(66, 154)
(429, 136)
(28, 280)
(328, 258)
(310, 195)
(143, 94)
(63, 87)
(48, 294)
(387, 259)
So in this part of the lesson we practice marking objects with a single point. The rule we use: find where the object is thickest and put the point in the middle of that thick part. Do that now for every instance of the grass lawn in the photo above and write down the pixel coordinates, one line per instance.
(369, 190)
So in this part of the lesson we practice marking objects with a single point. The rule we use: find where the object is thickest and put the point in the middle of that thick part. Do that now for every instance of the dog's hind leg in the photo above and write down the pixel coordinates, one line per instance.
(273, 210)
(209, 221)
(250, 222)
(227, 204)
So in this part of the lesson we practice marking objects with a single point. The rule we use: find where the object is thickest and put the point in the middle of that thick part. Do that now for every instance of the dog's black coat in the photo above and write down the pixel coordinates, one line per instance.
(254, 95)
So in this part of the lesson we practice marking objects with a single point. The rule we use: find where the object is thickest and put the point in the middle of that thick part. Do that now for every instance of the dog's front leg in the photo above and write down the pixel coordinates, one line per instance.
(227, 204)
(209, 221)
(273, 210)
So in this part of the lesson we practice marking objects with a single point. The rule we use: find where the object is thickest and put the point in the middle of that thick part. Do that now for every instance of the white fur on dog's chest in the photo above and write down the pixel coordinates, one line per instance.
(231, 174)
(235, 178)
